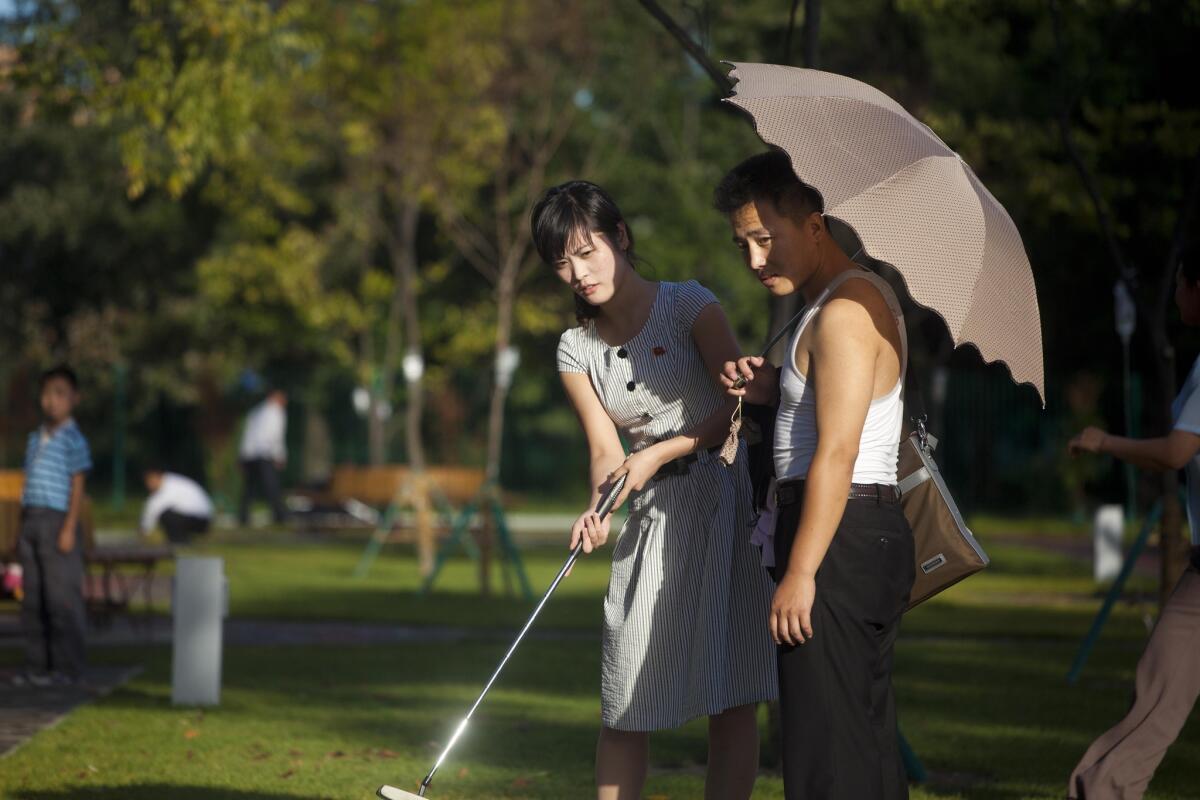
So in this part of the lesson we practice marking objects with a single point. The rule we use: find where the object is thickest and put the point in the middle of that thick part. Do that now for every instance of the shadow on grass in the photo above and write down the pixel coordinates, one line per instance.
(153, 791)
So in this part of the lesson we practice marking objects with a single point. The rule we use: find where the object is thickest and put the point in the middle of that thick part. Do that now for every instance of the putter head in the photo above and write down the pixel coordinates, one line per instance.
(392, 793)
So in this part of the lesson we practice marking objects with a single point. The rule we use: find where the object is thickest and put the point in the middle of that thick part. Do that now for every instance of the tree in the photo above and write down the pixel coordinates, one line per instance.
(401, 82)
(1154, 275)
(535, 103)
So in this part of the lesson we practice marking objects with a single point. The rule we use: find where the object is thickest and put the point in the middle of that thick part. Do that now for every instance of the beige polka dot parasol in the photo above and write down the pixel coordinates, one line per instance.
(913, 202)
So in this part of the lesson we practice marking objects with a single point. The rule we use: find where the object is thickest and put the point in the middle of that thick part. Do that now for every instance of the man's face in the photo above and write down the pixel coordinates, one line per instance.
(57, 399)
(775, 248)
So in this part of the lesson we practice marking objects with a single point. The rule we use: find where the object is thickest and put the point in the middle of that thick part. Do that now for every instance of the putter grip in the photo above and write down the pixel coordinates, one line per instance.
(604, 507)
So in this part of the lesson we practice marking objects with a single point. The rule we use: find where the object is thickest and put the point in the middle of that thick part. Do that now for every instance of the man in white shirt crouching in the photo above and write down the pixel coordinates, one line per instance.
(176, 504)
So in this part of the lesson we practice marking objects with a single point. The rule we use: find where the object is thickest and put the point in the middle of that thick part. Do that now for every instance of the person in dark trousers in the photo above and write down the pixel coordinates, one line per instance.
(843, 550)
(1120, 764)
(57, 460)
(263, 455)
(177, 504)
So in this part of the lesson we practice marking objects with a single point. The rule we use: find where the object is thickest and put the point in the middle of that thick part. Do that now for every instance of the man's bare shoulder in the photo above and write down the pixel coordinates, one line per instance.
(853, 305)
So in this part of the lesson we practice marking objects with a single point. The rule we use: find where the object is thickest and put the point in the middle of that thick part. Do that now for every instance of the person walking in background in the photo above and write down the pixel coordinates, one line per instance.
(843, 550)
(1120, 764)
(263, 455)
(57, 459)
(177, 504)
(682, 635)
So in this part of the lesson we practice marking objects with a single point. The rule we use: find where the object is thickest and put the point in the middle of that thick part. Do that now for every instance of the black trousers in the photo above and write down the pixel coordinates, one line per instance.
(836, 701)
(53, 617)
(260, 476)
(181, 528)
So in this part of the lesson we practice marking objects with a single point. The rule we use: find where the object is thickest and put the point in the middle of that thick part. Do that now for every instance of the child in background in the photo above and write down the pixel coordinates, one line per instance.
(51, 556)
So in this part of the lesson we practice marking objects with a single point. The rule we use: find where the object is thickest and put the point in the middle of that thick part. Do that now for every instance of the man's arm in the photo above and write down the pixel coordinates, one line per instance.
(841, 371)
(155, 506)
(278, 436)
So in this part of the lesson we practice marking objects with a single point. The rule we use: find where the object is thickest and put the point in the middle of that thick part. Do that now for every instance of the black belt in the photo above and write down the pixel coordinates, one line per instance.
(791, 492)
(680, 466)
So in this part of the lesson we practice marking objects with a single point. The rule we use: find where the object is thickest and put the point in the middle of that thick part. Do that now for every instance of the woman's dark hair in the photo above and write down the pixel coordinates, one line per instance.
(569, 212)
(767, 176)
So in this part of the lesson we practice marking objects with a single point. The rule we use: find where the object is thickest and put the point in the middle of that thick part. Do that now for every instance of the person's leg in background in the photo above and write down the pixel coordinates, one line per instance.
(63, 589)
(269, 474)
(1122, 761)
(249, 478)
(35, 626)
(181, 528)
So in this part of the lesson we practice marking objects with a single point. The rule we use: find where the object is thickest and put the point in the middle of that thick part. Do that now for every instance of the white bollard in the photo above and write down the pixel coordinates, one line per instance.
(1107, 531)
(199, 605)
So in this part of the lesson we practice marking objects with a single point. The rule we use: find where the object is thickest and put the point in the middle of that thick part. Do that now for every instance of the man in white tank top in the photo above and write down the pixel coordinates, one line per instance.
(843, 550)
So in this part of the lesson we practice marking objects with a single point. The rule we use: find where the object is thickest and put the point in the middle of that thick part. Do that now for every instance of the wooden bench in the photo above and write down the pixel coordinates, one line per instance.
(123, 569)
(410, 502)
(382, 484)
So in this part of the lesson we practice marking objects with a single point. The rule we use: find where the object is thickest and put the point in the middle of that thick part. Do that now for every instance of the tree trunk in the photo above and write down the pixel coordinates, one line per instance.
(406, 282)
(374, 426)
(505, 299)
(405, 309)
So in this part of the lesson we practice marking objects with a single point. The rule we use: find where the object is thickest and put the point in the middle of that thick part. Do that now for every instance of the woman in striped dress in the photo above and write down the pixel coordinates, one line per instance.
(684, 633)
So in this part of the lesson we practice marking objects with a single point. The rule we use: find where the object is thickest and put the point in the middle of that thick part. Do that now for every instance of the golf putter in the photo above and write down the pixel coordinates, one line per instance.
(603, 508)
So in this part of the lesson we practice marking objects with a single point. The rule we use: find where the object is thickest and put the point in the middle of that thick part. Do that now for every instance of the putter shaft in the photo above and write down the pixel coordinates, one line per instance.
(603, 508)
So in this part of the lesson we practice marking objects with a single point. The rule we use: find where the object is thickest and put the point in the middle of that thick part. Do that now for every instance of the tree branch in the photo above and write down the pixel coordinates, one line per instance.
(1124, 270)
(459, 234)
(690, 46)
(1191, 197)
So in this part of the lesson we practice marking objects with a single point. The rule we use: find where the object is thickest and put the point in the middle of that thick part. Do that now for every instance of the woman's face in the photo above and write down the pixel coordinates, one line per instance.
(593, 267)
(1187, 300)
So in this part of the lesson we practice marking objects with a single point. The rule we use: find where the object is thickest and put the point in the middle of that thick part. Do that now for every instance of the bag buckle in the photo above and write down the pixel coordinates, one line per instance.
(922, 432)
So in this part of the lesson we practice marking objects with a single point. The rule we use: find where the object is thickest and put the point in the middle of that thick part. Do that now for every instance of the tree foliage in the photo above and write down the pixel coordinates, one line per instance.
(198, 188)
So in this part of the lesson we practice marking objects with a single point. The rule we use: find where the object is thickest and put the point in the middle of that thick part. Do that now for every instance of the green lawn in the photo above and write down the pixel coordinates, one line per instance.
(980, 678)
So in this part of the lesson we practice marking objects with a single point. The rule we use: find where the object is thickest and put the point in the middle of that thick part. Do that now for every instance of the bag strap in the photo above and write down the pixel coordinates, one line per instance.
(779, 334)
(915, 408)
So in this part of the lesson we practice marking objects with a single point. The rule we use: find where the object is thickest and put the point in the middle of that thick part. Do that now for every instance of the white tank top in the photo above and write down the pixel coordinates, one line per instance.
(796, 420)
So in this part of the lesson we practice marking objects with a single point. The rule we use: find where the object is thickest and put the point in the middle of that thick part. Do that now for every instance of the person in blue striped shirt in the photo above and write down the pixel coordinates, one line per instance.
(57, 460)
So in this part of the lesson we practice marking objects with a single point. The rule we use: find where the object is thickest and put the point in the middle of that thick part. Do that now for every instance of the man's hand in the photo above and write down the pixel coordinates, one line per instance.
(791, 609)
(66, 539)
(1089, 440)
(752, 379)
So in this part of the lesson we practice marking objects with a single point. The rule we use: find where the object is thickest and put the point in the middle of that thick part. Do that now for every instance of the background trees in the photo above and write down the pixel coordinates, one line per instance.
(208, 195)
